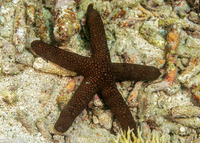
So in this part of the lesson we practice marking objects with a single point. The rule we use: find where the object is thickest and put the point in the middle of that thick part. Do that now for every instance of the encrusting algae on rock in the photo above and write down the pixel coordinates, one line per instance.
(172, 46)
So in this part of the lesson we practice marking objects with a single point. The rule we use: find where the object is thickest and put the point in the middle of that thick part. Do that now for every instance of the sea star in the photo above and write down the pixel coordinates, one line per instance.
(99, 74)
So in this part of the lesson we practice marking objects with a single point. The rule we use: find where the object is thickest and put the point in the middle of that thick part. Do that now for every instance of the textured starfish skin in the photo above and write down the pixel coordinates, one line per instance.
(99, 74)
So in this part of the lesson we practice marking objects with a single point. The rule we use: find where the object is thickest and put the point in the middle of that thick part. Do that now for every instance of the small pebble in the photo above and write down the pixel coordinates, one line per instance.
(105, 120)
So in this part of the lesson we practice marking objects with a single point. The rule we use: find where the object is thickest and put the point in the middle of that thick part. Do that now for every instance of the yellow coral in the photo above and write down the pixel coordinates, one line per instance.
(126, 137)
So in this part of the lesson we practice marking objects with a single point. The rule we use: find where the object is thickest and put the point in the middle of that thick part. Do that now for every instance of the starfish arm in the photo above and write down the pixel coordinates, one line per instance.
(98, 40)
(126, 71)
(77, 104)
(118, 107)
(65, 59)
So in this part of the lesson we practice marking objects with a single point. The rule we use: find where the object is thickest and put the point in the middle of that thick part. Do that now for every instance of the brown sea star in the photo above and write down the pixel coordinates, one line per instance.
(99, 74)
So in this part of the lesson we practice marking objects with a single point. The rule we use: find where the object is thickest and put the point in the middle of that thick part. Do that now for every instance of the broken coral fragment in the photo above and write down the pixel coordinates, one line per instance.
(184, 112)
(105, 120)
(43, 22)
(8, 64)
(30, 11)
(152, 35)
(25, 58)
(193, 122)
(20, 31)
(190, 77)
(52, 68)
(172, 46)
(66, 23)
